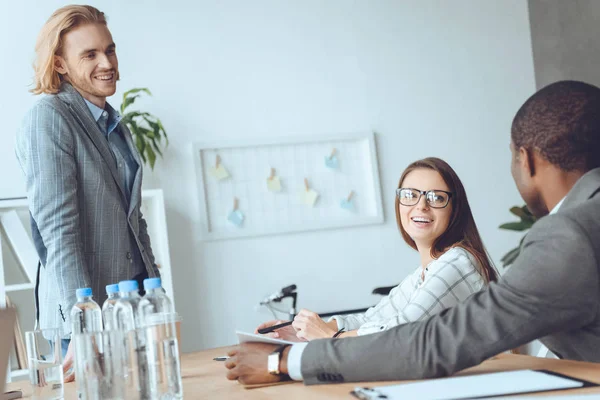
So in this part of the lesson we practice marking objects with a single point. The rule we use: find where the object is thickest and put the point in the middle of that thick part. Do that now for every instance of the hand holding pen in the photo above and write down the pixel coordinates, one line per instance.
(278, 329)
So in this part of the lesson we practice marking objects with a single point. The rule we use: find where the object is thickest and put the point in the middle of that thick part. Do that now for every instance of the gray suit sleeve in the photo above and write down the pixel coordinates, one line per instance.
(546, 290)
(46, 152)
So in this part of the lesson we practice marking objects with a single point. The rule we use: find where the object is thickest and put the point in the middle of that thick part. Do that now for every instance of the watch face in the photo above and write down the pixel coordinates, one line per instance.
(273, 363)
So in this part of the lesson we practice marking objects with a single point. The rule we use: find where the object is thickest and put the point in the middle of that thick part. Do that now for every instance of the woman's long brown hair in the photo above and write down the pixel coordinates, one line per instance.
(461, 230)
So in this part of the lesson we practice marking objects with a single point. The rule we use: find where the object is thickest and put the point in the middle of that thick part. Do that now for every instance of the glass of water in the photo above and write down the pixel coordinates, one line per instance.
(162, 353)
(44, 355)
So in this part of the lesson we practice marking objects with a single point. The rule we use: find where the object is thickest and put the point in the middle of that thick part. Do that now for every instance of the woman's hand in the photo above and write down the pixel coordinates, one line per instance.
(310, 326)
(285, 333)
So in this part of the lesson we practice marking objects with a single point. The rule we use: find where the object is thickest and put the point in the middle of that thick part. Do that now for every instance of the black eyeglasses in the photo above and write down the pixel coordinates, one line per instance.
(435, 198)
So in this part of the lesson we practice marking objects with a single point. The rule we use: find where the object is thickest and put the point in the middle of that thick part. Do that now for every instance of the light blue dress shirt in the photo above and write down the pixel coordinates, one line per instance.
(108, 119)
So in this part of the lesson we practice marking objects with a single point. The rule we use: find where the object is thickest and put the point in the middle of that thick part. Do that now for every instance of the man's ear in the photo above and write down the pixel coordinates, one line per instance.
(60, 65)
(527, 160)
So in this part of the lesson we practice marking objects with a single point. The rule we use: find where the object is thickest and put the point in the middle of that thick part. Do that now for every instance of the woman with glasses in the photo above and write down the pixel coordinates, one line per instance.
(434, 218)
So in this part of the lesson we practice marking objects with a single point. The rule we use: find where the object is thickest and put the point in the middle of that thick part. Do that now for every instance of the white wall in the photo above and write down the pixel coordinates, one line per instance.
(432, 78)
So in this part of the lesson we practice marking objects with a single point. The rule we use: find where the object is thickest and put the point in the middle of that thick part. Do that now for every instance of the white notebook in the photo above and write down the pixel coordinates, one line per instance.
(474, 386)
(244, 337)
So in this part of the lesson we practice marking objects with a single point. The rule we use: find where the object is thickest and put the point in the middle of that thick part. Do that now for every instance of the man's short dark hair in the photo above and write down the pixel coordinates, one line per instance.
(562, 123)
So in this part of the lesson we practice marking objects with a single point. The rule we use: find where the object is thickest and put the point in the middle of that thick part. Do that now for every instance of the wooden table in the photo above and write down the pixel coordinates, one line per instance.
(204, 378)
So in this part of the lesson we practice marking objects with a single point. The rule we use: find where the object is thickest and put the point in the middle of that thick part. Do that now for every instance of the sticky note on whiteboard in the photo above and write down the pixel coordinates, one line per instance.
(347, 204)
(332, 162)
(219, 173)
(274, 184)
(309, 197)
(236, 217)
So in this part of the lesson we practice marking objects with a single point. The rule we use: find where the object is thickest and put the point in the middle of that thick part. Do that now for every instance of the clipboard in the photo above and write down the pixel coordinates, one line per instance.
(479, 386)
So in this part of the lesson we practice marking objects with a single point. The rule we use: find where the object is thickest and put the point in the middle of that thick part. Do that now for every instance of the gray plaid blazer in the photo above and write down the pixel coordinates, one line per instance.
(86, 232)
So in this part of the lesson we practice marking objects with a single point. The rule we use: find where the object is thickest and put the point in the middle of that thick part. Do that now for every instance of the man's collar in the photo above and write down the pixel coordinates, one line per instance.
(585, 188)
(557, 206)
(113, 117)
(94, 109)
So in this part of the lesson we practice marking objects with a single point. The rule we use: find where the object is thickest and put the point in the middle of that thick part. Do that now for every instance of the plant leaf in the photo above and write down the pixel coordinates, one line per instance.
(151, 156)
(146, 130)
(146, 133)
(141, 146)
(132, 92)
(510, 257)
(155, 146)
(162, 128)
(135, 114)
(137, 90)
(510, 253)
(128, 101)
(516, 226)
(523, 213)
(155, 127)
(519, 212)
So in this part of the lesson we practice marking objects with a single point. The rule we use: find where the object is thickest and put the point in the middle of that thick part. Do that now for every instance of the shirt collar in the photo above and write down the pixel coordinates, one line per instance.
(94, 109)
(113, 116)
(556, 207)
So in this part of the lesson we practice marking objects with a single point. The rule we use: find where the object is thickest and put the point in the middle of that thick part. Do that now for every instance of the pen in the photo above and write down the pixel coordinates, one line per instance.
(221, 358)
(274, 327)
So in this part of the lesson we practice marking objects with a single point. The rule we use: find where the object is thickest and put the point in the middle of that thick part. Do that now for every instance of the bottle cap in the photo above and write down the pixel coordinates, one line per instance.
(152, 283)
(128, 286)
(83, 292)
(114, 288)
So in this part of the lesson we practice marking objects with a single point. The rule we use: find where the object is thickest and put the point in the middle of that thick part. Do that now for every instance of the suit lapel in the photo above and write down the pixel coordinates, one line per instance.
(137, 182)
(82, 113)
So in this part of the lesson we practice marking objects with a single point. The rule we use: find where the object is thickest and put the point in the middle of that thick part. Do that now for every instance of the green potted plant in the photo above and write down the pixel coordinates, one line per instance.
(526, 222)
(147, 131)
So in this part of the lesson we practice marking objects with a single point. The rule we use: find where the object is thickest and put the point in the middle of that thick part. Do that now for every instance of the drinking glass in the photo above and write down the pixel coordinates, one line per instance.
(44, 355)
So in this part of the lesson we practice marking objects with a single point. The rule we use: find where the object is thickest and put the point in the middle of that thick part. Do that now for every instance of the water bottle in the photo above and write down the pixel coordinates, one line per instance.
(109, 306)
(163, 349)
(126, 314)
(86, 315)
(127, 318)
(156, 299)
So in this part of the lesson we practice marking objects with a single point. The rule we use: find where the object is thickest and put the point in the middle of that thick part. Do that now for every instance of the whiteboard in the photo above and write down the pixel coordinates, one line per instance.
(354, 181)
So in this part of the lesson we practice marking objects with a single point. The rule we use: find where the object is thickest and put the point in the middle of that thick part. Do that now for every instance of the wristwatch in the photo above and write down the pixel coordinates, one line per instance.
(274, 360)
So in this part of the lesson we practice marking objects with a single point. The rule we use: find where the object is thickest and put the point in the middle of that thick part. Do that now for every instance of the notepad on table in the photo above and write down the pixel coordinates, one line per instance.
(244, 337)
(474, 386)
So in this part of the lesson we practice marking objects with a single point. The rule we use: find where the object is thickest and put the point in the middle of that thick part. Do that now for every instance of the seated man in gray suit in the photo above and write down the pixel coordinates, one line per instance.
(551, 293)
(83, 174)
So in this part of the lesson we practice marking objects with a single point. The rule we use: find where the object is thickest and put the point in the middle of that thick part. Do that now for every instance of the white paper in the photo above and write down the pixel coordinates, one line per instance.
(571, 397)
(244, 337)
(473, 386)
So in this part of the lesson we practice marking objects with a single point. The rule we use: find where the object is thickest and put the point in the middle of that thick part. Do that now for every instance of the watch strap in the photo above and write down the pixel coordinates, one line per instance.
(275, 370)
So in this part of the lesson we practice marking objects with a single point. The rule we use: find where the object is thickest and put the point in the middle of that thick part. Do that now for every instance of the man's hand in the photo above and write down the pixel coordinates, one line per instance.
(68, 367)
(310, 326)
(248, 364)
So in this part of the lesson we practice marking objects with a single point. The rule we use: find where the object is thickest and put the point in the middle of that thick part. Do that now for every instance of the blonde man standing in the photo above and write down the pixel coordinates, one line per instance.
(83, 173)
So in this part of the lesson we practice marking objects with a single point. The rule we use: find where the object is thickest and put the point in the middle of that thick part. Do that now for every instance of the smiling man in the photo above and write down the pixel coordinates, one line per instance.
(83, 173)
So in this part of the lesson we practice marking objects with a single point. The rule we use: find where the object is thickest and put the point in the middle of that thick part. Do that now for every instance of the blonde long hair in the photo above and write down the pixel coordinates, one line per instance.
(49, 43)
